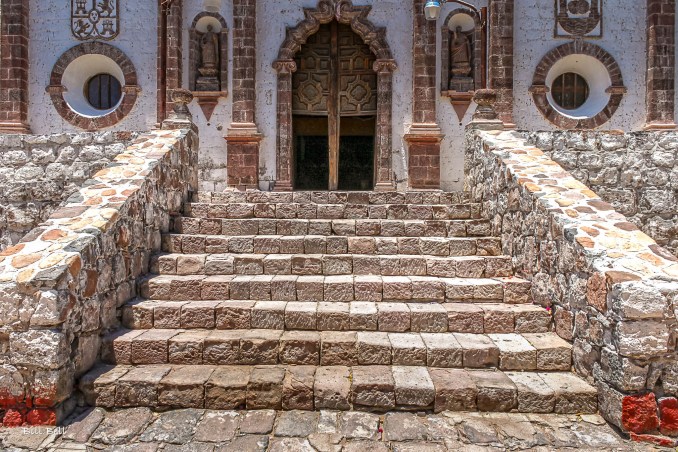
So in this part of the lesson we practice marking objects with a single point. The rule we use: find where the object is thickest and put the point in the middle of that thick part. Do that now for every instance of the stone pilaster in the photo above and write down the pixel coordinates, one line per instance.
(661, 63)
(243, 137)
(501, 57)
(14, 66)
(425, 135)
(174, 69)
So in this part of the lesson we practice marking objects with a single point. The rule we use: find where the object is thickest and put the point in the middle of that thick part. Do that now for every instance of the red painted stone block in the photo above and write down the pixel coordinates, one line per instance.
(41, 417)
(654, 439)
(639, 413)
(12, 418)
(668, 412)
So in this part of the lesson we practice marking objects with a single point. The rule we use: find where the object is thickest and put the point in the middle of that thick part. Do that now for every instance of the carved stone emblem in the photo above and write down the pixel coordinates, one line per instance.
(579, 18)
(94, 19)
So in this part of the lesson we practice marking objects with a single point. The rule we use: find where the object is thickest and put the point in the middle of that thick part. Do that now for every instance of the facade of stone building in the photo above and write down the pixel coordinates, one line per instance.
(333, 204)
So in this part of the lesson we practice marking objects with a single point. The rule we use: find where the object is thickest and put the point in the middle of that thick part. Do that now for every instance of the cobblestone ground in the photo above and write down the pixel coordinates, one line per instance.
(140, 430)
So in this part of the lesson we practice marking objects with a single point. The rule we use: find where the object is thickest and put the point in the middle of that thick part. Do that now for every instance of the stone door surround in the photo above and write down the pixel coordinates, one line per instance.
(356, 16)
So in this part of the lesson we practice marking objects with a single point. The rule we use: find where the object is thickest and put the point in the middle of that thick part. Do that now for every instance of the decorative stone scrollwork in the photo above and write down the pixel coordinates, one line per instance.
(579, 18)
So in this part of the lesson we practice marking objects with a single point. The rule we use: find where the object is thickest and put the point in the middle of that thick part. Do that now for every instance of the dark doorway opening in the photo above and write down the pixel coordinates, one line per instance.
(334, 104)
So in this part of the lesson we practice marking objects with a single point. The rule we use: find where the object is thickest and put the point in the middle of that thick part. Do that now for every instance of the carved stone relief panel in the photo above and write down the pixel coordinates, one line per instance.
(94, 19)
(579, 18)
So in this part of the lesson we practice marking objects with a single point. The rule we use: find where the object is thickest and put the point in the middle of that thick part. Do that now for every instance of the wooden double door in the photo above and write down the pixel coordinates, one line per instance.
(334, 107)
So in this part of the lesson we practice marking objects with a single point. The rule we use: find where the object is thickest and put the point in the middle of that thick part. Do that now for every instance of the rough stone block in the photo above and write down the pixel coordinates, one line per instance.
(332, 388)
(226, 388)
(264, 389)
(413, 387)
(300, 347)
(408, 349)
(455, 390)
(373, 386)
(373, 348)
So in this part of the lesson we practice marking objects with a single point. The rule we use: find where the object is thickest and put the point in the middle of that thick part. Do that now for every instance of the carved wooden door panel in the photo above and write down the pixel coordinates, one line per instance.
(334, 78)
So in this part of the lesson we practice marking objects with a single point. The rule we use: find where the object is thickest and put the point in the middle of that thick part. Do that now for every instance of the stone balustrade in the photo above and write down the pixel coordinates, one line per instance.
(61, 286)
(612, 290)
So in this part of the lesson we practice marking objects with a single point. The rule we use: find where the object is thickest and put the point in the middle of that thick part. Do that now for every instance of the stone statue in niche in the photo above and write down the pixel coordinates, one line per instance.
(461, 59)
(208, 79)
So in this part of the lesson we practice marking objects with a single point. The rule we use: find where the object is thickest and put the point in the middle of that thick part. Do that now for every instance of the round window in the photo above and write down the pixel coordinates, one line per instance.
(570, 91)
(103, 91)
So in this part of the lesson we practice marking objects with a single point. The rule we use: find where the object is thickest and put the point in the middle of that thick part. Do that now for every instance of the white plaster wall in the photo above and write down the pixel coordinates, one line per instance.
(50, 25)
(272, 19)
(452, 147)
(213, 149)
(623, 37)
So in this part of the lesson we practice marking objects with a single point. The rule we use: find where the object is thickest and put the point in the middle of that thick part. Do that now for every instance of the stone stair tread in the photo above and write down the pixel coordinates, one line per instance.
(339, 316)
(374, 387)
(333, 211)
(328, 227)
(311, 244)
(270, 345)
(511, 290)
(334, 197)
(331, 264)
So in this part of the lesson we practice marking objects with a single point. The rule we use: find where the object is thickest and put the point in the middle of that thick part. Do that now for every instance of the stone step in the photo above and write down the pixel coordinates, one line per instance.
(322, 244)
(505, 351)
(344, 228)
(376, 388)
(335, 197)
(334, 288)
(332, 264)
(337, 316)
(310, 211)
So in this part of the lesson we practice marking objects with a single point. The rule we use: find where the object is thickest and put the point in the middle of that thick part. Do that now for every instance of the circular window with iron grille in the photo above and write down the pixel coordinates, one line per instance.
(103, 91)
(570, 90)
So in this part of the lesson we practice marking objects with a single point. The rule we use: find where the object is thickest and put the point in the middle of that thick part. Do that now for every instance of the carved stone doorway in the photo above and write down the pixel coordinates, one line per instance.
(339, 103)
(334, 105)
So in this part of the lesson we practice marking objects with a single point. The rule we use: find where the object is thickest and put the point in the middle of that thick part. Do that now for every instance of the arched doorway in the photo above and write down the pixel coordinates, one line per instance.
(334, 108)
(354, 124)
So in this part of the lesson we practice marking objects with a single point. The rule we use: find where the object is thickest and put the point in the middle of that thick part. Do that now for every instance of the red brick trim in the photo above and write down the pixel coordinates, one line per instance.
(424, 52)
(14, 34)
(130, 89)
(244, 61)
(661, 63)
(501, 56)
(174, 61)
(356, 16)
(539, 88)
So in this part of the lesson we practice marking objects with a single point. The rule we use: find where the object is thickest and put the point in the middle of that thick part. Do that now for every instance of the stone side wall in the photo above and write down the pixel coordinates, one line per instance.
(39, 172)
(61, 286)
(612, 290)
(635, 172)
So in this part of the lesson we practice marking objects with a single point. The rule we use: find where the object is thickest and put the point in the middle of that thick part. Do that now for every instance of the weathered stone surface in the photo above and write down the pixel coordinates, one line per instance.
(404, 427)
(298, 388)
(296, 423)
(373, 348)
(175, 427)
(373, 386)
(120, 427)
(332, 388)
(258, 422)
(455, 390)
(496, 392)
(534, 395)
(413, 386)
(217, 426)
(264, 390)
(226, 388)
(356, 425)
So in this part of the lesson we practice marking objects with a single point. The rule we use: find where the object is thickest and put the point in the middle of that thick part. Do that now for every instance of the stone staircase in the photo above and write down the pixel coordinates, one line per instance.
(335, 300)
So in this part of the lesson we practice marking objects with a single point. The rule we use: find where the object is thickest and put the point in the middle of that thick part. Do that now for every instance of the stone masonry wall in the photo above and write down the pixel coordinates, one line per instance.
(635, 172)
(612, 290)
(61, 286)
(39, 172)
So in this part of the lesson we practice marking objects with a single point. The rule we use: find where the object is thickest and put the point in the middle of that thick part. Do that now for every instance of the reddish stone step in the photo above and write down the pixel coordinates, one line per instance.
(545, 352)
(344, 228)
(337, 316)
(332, 211)
(335, 197)
(334, 288)
(377, 388)
(332, 264)
(321, 244)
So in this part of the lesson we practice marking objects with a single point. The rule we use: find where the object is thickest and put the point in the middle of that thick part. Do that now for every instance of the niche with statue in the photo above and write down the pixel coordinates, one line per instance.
(208, 60)
(463, 57)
